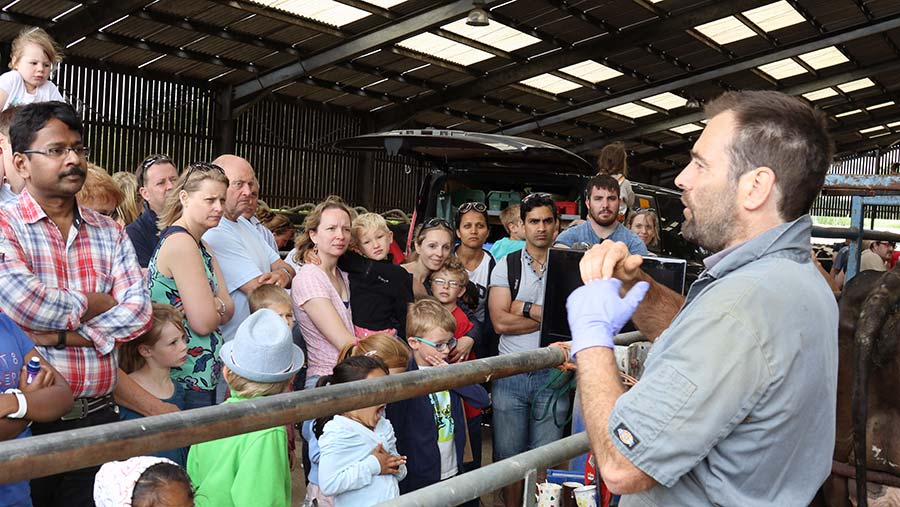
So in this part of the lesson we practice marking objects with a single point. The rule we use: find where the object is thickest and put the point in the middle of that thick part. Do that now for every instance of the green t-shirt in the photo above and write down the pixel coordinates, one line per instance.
(244, 470)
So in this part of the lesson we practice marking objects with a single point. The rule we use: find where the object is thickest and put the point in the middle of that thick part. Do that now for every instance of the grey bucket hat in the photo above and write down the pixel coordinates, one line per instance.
(263, 349)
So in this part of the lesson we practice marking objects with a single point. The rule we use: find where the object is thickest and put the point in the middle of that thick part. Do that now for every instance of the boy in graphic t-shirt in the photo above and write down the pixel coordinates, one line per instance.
(430, 429)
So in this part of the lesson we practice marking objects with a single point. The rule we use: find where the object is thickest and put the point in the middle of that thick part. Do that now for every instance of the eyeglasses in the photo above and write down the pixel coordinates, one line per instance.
(447, 283)
(440, 347)
(58, 153)
(202, 167)
(436, 222)
(537, 196)
(469, 206)
(147, 163)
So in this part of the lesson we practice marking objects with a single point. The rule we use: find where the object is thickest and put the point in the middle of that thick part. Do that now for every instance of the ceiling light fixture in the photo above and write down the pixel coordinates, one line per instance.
(478, 16)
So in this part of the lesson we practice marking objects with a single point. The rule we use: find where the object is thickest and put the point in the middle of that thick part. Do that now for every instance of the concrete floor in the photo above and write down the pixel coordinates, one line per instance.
(298, 483)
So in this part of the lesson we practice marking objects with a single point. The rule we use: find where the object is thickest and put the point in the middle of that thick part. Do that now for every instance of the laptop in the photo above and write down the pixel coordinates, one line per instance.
(564, 276)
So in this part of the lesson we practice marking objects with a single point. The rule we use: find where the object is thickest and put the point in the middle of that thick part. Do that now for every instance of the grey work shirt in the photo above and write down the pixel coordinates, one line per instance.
(531, 288)
(736, 405)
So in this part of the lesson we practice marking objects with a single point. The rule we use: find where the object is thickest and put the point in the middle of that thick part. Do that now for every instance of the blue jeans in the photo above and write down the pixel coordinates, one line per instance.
(515, 429)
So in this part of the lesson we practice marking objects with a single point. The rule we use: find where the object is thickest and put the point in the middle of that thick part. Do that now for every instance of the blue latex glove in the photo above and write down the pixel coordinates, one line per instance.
(597, 313)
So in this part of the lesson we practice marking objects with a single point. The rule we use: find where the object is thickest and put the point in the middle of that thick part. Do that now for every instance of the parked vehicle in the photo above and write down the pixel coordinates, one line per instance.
(465, 166)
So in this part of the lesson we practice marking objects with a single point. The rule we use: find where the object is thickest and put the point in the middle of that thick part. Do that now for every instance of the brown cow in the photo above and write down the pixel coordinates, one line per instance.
(868, 356)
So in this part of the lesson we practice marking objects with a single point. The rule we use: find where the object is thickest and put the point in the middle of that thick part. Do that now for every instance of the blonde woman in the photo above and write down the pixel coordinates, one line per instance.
(645, 224)
(130, 208)
(321, 291)
(185, 274)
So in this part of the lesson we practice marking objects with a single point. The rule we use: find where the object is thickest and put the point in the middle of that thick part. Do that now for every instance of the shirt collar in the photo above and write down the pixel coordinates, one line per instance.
(789, 240)
(32, 212)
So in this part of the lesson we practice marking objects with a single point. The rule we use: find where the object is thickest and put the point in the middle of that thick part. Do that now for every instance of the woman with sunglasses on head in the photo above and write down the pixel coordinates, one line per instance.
(645, 224)
(321, 290)
(433, 241)
(184, 273)
(472, 230)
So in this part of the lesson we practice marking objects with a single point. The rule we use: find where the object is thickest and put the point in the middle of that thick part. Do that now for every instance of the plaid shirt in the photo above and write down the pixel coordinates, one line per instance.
(45, 279)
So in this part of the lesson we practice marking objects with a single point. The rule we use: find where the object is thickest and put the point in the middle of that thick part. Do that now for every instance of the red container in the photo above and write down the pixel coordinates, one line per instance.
(567, 207)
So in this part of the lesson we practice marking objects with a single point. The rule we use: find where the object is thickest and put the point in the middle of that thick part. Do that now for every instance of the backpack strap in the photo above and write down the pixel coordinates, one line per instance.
(514, 272)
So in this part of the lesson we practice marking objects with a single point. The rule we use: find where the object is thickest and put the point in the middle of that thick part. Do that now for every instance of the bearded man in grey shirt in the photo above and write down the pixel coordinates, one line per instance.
(736, 405)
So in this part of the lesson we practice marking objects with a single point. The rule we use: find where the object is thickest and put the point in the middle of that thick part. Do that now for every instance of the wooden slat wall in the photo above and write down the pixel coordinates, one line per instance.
(127, 117)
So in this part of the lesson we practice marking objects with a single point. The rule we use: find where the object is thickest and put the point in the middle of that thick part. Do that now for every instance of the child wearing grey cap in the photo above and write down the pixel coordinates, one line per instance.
(252, 468)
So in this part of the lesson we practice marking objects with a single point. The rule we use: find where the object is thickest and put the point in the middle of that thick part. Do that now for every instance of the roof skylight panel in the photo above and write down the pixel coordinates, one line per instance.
(687, 128)
(848, 113)
(328, 12)
(825, 57)
(496, 35)
(872, 129)
(859, 84)
(893, 124)
(446, 49)
(782, 69)
(726, 30)
(666, 100)
(774, 16)
(590, 70)
(824, 93)
(550, 83)
(631, 110)
(879, 106)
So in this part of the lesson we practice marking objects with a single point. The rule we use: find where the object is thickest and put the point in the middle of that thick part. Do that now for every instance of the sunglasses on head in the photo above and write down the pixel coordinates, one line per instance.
(436, 222)
(148, 162)
(466, 207)
(202, 167)
(537, 196)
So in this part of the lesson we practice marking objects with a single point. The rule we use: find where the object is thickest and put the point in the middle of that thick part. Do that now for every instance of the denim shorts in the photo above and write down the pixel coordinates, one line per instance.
(515, 406)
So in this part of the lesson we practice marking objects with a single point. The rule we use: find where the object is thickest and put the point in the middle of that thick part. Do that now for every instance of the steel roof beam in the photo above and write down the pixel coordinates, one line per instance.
(597, 49)
(800, 89)
(92, 18)
(216, 31)
(385, 35)
(174, 51)
(745, 63)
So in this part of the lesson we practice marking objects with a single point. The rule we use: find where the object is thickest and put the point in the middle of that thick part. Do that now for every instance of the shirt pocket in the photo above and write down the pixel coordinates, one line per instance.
(659, 402)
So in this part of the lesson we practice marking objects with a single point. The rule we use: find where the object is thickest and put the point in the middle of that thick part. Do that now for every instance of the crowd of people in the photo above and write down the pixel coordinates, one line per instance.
(181, 300)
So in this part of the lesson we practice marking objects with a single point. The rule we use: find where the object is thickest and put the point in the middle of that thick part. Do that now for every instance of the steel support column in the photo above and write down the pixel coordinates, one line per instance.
(224, 140)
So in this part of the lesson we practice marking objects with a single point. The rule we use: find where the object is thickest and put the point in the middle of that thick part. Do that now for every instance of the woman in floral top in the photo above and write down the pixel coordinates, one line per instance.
(184, 274)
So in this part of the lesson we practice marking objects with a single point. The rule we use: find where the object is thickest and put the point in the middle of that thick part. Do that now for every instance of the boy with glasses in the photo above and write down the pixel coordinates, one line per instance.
(431, 429)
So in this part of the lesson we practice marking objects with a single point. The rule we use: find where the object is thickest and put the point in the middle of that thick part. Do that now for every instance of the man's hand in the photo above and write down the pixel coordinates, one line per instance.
(596, 312)
(390, 464)
(98, 302)
(279, 278)
(610, 259)
(461, 351)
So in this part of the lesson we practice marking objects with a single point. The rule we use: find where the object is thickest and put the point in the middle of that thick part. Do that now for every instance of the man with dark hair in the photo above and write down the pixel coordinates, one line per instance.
(736, 405)
(515, 305)
(70, 280)
(156, 177)
(601, 194)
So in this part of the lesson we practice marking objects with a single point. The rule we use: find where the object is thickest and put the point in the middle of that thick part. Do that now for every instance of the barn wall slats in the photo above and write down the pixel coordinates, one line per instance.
(869, 163)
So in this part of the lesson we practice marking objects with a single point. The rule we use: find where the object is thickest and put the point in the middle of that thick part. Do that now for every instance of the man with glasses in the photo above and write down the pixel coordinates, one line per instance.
(245, 259)
(515, 307)
(156, 177)
(877, 256)
(601, 194)
(70, 280)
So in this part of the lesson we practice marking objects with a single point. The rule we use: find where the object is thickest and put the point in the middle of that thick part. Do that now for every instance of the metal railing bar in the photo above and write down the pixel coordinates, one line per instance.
(471, 485)
(54, 453)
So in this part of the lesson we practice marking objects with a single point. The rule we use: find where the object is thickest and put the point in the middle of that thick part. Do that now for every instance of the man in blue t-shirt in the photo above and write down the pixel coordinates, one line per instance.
(602, 196)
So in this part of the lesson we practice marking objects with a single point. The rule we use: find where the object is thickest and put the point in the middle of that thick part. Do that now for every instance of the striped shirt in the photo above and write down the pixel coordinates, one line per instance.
(46, 279)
